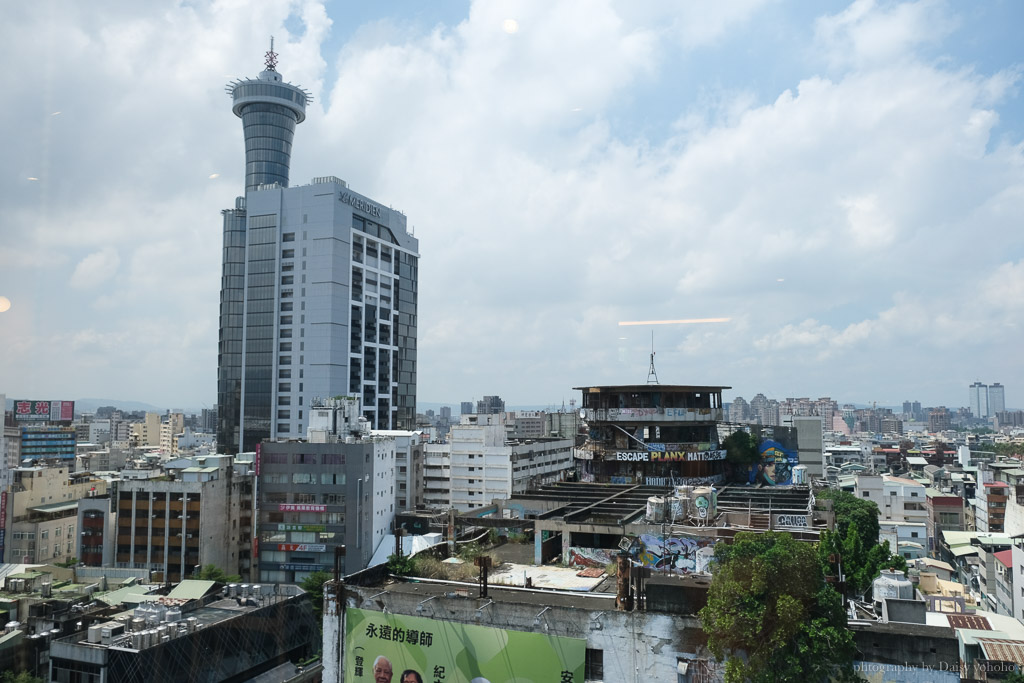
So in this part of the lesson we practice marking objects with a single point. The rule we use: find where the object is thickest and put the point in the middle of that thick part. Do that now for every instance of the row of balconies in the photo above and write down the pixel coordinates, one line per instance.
(665, 415)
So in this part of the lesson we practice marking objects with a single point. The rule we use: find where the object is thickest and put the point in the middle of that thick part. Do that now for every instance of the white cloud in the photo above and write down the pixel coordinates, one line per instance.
(96, 268)
(840, 220)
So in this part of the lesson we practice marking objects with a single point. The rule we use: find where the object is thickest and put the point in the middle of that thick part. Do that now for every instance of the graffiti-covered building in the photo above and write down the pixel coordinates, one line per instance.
(652, 434)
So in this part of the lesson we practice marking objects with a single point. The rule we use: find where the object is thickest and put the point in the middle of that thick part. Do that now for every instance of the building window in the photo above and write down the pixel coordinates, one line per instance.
(284, 415)
(285, 346)
(286, 320)
(284, 374)
(865, 494)
(288, 237)
(593, 665)
(286, 305)
(288, 253)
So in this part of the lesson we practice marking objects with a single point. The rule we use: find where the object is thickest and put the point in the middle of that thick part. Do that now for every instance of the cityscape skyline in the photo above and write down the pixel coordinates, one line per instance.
(809, 169)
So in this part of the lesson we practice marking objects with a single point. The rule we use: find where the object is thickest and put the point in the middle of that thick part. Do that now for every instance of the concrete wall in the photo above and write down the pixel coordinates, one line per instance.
(635, 646)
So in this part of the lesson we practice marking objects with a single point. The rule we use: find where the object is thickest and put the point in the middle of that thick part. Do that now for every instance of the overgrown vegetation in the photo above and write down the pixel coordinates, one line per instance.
(853, 547)
(212, 572)
(772, 617)
(314, 585)
(740, 453)
(22, 677)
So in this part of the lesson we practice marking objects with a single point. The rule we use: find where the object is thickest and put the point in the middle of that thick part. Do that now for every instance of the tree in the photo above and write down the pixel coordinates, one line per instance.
(212, 572)
(22, 677)
(771, 615)
(314, 585)
(740, 453)
(853, 545)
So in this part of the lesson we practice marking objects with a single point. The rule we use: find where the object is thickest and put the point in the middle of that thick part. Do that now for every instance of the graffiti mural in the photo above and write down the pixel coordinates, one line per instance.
(678, 554)
(776, 465)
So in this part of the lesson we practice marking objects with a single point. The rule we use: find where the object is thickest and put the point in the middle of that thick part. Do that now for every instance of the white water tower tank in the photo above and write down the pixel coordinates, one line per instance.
(892, 584)
(656, 509)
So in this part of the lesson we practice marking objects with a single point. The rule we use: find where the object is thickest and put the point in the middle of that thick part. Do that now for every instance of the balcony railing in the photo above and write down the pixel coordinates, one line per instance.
(654, 415)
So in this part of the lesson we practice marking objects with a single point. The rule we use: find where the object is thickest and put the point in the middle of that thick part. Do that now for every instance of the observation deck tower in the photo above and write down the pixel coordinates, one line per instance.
(269, 109)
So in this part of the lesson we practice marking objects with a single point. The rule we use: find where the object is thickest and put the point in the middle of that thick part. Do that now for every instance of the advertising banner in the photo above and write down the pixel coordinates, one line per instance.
(53, 411)
(449, 652)
(300, 507)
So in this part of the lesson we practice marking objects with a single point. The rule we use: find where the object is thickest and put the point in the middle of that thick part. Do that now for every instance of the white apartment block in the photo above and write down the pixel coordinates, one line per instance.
(898, 499)
(409, 448)
(478, 464)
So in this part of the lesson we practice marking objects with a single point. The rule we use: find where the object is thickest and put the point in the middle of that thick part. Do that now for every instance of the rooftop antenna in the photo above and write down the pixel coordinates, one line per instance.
(271, 57)
(652, 374)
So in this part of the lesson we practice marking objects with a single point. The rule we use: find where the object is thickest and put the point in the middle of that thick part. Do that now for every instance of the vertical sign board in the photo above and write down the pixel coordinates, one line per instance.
(449, 652)
(3, 523)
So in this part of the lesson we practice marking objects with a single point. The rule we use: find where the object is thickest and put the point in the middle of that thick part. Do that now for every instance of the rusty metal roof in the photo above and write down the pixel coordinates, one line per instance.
(969, 621)
(1003, 650)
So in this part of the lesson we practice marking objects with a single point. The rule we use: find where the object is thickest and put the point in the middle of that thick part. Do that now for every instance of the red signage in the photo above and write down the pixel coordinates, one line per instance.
(300, 507)
(303, 547)
(50, 411)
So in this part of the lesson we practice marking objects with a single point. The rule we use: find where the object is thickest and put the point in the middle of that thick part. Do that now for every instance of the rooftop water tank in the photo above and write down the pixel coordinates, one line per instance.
(656, 509)
(892, 584)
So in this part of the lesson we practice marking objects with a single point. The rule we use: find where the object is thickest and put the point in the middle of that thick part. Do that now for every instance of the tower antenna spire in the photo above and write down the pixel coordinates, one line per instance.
(652, 374)
(271, 57)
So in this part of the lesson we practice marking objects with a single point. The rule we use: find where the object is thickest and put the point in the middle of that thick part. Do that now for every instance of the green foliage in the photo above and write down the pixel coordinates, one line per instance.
(853, 511)
(430, 567)
(1015, 677)
(23, 677)
(212, 572)
(402, 565)
(771, 615)
(741, 448)
(854, 543)
(314, 585)
(71, 562)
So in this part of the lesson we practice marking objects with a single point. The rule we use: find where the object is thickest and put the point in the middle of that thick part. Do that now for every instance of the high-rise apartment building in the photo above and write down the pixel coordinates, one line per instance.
(978, 394)
(318, 288)
(996, 398)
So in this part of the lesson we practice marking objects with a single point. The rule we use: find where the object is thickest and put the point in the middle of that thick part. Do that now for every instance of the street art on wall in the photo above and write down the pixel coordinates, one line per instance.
(776, 465)
(678, 554)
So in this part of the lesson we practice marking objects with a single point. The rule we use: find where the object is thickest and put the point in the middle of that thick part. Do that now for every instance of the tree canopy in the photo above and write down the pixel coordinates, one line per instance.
(770, 614)
(853, 546)
(212, 572)
(314, 585)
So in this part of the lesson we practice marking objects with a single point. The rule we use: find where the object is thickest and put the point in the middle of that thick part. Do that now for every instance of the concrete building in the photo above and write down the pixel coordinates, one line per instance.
(170, 430)
(409, 472)
(654, 434)
(945, 511)
(490, 405)
(42, 506)
(198, 632)
(479, 464)
(97, 537)
(996, 398)
(903, 500)
(338, 489)
(907, 539)
(147, 432)
(809, 441)
(977, 395)
(319, 288)
(990, 507)
(174, 520)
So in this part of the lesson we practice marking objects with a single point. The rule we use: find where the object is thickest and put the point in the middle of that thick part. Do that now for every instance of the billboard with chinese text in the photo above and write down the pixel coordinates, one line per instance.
(52, 411)
(449, 652)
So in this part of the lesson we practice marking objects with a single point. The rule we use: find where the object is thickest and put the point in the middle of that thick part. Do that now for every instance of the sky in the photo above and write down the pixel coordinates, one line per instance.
(842, 182)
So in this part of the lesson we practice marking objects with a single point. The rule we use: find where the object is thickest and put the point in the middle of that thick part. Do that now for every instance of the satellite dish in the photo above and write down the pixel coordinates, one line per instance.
(583, 413)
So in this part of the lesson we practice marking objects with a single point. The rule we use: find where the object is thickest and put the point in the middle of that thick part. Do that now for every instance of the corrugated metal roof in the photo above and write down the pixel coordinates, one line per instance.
(1003, 650)
(969, 621)
(191, 589)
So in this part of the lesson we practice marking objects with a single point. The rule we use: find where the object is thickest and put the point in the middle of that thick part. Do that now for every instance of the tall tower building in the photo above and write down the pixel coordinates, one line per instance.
(318, 289)
(978, 395)
(996, 398)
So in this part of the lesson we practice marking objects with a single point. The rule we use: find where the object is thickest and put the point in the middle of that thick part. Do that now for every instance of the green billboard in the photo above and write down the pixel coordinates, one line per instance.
(388, 648)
